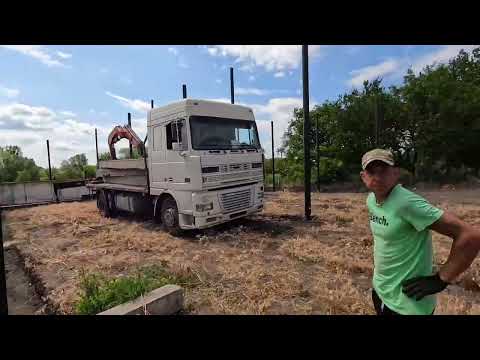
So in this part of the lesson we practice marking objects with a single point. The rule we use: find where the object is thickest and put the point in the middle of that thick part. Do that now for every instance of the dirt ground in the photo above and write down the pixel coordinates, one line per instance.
(22, 298)
(272, 263)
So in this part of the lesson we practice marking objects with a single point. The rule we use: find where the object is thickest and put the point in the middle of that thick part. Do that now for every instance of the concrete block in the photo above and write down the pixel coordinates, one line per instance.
(166, 300)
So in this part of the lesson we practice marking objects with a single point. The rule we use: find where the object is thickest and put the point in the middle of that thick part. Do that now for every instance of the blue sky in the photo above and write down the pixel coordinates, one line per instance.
(62, 93)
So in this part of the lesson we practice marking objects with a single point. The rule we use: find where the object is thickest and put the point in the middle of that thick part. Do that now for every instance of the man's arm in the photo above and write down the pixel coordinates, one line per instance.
(465, 247)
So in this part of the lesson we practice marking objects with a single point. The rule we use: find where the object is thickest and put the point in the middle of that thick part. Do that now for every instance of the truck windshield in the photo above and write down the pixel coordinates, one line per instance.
(222, 133)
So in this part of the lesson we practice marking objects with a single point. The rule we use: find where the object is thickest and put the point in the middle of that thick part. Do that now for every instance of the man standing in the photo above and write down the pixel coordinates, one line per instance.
(400, 221)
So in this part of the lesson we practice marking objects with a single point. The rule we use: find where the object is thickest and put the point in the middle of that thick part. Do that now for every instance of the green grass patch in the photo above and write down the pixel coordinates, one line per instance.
(97, 293)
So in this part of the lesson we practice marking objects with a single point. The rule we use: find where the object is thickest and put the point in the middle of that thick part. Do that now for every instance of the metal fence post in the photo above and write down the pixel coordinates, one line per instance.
(306, 133)
(273, 160)
(3, 282)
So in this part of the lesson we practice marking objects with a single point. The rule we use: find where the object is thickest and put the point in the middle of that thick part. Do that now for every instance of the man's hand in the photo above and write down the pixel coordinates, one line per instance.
(422, 286)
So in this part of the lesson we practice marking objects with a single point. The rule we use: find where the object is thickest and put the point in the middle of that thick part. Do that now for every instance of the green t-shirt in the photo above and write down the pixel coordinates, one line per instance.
(402, 247)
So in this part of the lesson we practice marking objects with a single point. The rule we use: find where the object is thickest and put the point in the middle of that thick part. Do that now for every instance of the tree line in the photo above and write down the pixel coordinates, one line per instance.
(431, 122)
(15, 167)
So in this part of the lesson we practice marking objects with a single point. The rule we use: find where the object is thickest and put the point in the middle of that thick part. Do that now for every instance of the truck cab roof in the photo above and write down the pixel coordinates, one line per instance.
(203, 108)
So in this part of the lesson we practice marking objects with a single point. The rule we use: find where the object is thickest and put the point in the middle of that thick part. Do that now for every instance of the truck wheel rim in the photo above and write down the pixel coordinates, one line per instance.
(169, 217)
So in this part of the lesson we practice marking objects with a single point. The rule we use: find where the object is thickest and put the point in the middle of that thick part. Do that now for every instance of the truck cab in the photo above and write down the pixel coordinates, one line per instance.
(207, 157)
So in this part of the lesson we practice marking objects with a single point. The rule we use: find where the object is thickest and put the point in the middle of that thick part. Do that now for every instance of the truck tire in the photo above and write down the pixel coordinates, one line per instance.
(169, 216)
(111, 203)
(102, 204)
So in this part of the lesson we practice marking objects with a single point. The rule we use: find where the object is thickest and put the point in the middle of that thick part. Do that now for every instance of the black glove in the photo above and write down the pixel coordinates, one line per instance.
(422, 286)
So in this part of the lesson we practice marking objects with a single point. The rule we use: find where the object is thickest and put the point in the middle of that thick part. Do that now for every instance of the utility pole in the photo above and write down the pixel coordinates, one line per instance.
(130, 143)
(273, 160)
(318, 157)
(96, 145)
(232, 93)
(306, 133)
(49, 166)
(184, 90)
(377, 127)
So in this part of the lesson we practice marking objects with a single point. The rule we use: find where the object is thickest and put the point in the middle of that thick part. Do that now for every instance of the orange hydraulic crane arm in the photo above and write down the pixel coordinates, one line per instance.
(124, 132)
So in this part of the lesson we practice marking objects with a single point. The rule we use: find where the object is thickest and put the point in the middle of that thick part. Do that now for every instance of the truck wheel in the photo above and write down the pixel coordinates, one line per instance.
(169, 216)
(111, 203)
(102, 204)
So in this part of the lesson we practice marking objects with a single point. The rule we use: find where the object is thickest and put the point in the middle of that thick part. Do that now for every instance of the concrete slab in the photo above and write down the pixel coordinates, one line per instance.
(166, 300)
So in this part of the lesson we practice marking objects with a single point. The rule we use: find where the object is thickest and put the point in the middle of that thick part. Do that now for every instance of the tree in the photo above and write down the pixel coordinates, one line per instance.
(90, 171)
(124, 153)
(73, 168)
(105, 156)
(15, 167)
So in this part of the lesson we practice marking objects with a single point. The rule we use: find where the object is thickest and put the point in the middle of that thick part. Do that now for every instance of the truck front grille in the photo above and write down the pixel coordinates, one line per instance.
(236, 200)
(233, 177)
(239, 167)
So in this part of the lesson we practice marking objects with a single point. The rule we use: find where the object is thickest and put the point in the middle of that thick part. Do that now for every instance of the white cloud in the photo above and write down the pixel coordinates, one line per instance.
(371, 72)
(258, 92)
(251, 91)
(139, 125)
(212, 51)
(173, 50)
(280, 111)
(351, 50)
(279, 74)
(97, 113)
(442, 55)
(21, 117)
(225, 100)
(248, 67)
(183, 64)
(64, 55)
(68, 113)
(30, 126)
(270, 57)
(9, 93)
(38, 52)
(251, 78)
(397, 67)
(181, 61)
(134, 104)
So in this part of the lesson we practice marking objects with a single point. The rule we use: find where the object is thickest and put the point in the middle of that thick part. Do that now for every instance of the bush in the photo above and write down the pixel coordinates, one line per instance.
(331, 170)
(99, 293)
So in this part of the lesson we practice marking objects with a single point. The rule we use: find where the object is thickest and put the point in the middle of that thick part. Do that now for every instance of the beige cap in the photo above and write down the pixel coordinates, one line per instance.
(377, 154)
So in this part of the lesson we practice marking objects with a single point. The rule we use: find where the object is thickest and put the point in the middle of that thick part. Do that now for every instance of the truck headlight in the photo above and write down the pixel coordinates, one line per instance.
(204, 207)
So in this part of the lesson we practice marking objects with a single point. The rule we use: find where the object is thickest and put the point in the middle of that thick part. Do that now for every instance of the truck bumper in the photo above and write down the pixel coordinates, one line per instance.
(208, 221)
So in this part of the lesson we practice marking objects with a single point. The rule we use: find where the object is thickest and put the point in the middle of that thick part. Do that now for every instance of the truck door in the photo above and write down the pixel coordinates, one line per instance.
(158, 156)
(176, 142)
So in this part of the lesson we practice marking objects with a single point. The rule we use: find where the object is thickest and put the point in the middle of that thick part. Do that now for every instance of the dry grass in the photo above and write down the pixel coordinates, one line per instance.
(274, 263)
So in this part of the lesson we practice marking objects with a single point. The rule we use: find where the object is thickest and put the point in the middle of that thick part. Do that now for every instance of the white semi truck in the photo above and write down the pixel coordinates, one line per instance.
(203, 166)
